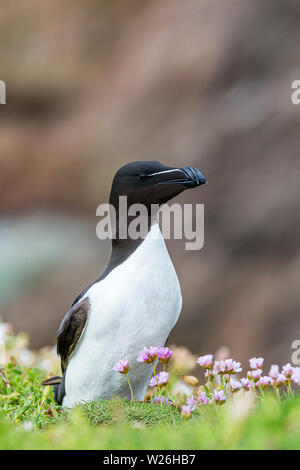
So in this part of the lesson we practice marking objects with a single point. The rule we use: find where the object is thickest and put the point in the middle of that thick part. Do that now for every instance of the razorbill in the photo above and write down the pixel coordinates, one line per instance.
(136, 301)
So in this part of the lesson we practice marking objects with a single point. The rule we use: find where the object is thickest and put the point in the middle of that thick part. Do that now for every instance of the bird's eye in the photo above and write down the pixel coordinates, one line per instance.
(142, 177)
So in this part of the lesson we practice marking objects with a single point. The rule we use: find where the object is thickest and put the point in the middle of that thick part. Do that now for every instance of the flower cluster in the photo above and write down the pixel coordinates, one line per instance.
(229, 366)
(254, 375)
(186, 411)
(219, 397)
(296, 375)
(160, 379)
(195, 400)
(265, 382)
(206, 362)
(161, 399)
(276, 377)
(274, 371)
(256, 363)
(245, 384)
(150, 356)
(221, 386)
(163, 355)
(234, 386)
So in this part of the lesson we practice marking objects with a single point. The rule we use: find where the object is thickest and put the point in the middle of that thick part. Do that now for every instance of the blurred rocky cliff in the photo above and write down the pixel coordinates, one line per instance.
(92, 85)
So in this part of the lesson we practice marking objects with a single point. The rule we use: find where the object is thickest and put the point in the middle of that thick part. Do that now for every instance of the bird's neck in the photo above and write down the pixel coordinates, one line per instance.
(125, 242)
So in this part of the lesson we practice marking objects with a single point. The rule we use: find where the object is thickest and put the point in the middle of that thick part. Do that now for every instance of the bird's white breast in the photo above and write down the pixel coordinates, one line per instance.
(136, 305)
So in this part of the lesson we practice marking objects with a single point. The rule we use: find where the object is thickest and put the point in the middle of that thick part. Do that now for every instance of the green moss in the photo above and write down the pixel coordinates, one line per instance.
(138, 413)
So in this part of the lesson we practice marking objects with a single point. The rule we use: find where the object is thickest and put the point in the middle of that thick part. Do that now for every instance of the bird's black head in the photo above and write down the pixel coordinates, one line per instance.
(152, 182)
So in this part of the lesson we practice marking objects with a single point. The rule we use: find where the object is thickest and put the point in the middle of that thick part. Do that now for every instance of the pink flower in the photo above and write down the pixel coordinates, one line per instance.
(219, 367)
(287, 370)
(204, 400)
(195, 400)
(296, 375)
(235, 386)
(164, 355)
(162, 379)
(219, 397)
(256, 362)
(186, 411)
(206, 362)
(148, 355)
(254, 374)
(161, 399)
(274, 371)
(236, 367)
(121, 366)
(280, 380)
(229, 366)
(245, 383)
(265, 381)
(152, 382)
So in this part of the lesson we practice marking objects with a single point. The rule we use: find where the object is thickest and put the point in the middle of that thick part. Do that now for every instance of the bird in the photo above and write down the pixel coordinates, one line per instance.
(135, 302)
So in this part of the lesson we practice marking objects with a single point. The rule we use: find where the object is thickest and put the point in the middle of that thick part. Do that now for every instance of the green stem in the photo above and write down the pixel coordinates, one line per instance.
(222, 381)
(276, 389)
(289, 389)
(129, 386)
(211, 384)
(254, 389)
(156, 377)
(223, 385)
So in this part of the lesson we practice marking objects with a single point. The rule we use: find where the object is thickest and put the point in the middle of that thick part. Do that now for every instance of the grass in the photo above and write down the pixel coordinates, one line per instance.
(29, 419)
(22, 399)
(137, 414)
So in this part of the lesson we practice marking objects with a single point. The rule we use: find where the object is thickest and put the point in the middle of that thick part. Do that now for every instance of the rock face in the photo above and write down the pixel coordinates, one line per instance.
(92, 86)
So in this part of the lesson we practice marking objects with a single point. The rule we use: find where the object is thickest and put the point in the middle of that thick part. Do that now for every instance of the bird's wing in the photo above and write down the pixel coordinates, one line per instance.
(71, 329)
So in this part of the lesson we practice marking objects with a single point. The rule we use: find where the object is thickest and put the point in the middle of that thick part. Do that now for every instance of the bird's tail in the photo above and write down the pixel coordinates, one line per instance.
(52, 381)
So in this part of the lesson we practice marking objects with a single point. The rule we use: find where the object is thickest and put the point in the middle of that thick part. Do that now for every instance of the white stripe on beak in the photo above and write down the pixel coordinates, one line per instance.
(166, 171)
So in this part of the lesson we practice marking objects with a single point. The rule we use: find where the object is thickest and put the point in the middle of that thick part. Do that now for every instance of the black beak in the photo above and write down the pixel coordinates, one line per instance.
(187, 176)
(194, 177)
